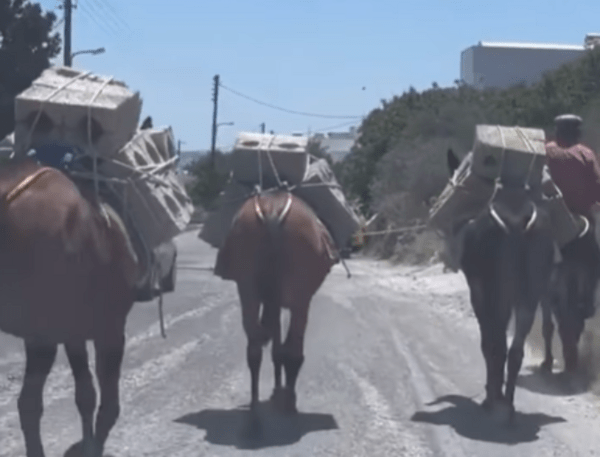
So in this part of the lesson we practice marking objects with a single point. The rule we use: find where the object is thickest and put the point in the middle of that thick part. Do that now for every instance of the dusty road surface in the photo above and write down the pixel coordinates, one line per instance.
(393, 367)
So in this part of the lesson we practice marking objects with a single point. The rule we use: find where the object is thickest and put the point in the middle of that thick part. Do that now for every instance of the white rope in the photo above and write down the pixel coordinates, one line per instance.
(89, 131)
(43, 102)
(498, 181)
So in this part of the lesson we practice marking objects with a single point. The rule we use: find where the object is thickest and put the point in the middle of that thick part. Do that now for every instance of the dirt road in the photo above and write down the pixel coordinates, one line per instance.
(393, 367)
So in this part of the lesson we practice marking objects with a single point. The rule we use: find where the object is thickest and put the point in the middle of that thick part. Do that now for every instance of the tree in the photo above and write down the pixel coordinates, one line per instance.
(208, 182)
(315, 148)
(27, 45)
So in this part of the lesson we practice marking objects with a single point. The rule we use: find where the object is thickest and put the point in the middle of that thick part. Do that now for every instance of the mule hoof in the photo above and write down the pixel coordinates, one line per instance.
(487, 404)
(546, 366)
(570, 368)
(503, 412)
(277, 399)
(289, 403)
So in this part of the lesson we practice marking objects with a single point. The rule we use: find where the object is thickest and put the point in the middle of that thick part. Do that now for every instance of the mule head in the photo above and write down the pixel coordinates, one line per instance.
(514, 209)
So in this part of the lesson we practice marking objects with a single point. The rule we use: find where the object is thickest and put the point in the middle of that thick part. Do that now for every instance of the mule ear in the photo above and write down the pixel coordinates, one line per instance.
(453, 161)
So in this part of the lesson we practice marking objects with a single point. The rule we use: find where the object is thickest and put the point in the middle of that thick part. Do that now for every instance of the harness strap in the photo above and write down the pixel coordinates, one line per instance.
(284, 212)
(25, 184)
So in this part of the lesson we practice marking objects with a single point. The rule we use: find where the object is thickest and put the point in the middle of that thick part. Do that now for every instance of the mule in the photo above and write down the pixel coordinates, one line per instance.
(507, 260)
(571, 297)
(279, 254)
(66, 277)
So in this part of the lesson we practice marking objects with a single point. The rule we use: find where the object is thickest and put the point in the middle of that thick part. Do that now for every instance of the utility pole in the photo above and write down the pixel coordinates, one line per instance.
(68, 6)
(214, 126)
(262, 127)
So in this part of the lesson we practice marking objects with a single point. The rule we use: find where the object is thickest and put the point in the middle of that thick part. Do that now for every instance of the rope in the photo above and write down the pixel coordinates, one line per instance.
(43, 102)
(161, 316)
(398, 230)
(533, 157)
(89, 131)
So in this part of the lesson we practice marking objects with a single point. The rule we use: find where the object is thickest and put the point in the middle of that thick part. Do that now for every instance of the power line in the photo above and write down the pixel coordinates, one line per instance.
(100, 12)
(335, 126)
(285, 109)
(58, 24)
(92, 16)
(91, 10)
(115, 13)
(110, 14)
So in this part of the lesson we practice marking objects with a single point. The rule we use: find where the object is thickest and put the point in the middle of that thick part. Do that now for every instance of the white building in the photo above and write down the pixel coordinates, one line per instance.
(502, 65)
(337, 144)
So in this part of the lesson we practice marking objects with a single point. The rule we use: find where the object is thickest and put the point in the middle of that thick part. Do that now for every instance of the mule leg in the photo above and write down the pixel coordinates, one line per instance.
(85, 393)
(524, 317)
(569, 336)
(547, 333)
(567, 316)
(109, 358)
(255, 334)
(39, 361)
(493, 341)
(271, 321)
(276, 347)
(494, 348)
(294, 352)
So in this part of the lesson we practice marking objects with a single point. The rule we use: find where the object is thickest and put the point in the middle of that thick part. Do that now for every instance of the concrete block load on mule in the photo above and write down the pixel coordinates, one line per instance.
(264, 159)
(513, 155)
(96, 119)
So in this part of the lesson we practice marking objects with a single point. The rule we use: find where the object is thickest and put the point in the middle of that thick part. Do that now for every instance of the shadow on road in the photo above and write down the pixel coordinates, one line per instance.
(235, 428)
(468, 419)
(76, 450)
(558, 384)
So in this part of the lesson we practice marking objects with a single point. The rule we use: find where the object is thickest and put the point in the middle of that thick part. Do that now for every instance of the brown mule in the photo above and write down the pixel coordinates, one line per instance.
(66, 276)
(279, 254)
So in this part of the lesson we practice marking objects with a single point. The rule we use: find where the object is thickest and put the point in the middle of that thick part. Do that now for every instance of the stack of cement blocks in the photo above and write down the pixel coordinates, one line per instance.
(100, 116)
(514, 155)
(276, 156)
(159, 204)
(314, 183)
(71, 107)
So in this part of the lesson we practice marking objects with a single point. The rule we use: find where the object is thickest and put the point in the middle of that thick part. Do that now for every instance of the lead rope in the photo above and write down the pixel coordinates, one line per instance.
(161, 315)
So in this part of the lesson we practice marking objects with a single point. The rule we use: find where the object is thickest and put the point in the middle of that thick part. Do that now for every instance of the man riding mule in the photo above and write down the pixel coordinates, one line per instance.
(575, 170)
(279, 253)
(67, 275)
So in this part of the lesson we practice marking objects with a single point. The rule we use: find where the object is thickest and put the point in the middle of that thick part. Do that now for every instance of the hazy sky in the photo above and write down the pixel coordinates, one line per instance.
(310, 56)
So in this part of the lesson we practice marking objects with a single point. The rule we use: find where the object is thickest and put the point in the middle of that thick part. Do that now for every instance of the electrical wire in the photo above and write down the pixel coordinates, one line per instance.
(327, 116)
(324, 129)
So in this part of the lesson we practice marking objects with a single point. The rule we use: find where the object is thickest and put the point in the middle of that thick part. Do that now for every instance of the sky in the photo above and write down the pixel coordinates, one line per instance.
(325, 57)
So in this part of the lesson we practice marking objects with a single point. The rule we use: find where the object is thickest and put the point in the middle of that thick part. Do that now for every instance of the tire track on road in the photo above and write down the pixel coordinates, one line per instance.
(382, 429)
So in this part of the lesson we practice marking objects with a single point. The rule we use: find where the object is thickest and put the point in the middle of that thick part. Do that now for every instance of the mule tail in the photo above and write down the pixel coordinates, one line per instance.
(272, 273)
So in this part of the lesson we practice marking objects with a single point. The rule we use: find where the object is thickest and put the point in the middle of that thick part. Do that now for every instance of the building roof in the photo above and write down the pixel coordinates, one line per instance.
(561, 47)
(337, 144)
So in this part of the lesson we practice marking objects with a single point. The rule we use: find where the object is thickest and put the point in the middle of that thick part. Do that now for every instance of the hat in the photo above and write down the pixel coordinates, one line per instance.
(568, 119)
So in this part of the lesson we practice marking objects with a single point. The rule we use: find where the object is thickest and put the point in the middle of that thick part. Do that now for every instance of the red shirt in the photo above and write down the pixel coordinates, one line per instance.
(576, 172)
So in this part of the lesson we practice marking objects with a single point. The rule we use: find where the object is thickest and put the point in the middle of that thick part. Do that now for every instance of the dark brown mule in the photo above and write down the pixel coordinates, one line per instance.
(279, 254)
(571, 297)
(66, 276)
(507, 261)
